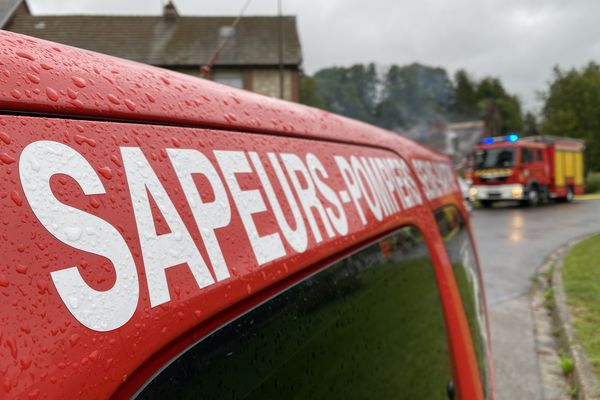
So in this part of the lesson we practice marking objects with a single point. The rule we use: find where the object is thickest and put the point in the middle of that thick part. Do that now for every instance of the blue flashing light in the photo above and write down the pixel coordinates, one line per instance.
(487, 140)
(513, 138)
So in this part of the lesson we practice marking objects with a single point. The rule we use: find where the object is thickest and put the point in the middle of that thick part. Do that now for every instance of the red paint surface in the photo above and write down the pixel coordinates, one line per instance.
(44, 351)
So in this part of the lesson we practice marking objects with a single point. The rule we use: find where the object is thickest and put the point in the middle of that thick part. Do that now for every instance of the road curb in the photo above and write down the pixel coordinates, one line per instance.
(585, 380)
(555, 385)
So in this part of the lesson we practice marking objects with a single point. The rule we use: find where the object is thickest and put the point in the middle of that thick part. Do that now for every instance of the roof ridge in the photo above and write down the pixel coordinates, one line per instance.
(186, 41)
(153, 16)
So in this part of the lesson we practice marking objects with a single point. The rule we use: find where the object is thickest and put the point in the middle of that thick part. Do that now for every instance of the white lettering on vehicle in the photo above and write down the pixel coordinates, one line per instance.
(97, 310)
(296, 238)
(307, 194)
(208, 215)
(159, 251)
(296, 191)
(437, 178)
(267, 247)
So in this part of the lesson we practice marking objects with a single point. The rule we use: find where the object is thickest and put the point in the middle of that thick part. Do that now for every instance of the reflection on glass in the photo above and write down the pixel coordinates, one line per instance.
(367, 327)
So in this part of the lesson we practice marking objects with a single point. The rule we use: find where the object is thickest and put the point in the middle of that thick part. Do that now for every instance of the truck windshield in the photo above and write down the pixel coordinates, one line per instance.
(495, 158)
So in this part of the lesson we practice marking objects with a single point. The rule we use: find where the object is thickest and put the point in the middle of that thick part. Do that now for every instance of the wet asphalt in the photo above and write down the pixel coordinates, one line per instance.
(513, 243)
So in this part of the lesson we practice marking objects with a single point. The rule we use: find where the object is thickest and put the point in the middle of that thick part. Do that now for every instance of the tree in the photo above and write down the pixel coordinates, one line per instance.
(349, 91)
(490, 88)
(414, 94)
(510, 111)
(465, 96)
(409, 96)
(309, 93)
(572, 108)
(508, 106)
(530, 124)
(491, 118)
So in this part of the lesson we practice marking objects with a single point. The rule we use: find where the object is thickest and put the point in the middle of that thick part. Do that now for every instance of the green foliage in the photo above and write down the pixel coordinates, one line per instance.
(349, 91)
(592, 182)
(309, 94)
(581, 281)
(530, 125)
(572, 108)
(493, 98)
(466, 100)
(510, 111)
(414, 94)
(490, 88)
(566, 364)
(402, 97)
(572, 391)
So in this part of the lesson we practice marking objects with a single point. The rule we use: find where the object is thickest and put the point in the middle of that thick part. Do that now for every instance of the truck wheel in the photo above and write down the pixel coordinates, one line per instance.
(485, 203)
(570, 195)
(533, 198)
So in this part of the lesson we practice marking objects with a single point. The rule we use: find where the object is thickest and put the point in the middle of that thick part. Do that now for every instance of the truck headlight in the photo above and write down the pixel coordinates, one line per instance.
(517, 192)
(472, 193)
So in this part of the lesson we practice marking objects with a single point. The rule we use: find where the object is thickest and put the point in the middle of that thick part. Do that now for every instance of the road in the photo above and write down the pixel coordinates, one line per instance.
(512, 244)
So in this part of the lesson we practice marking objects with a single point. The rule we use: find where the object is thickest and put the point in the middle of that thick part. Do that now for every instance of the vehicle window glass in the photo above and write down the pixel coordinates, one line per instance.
(367, 327)
(495, 158)
(460, 250)
(538, 155)
(526, 155)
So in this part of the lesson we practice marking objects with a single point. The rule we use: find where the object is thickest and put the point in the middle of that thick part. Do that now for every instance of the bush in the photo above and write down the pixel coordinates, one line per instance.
(592, 182)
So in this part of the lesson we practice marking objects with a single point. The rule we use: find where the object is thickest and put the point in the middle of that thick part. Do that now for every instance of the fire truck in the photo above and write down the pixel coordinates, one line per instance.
(530, 170)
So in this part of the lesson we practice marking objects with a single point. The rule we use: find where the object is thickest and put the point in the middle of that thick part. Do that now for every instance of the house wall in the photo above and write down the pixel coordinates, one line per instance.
(266, 81)
(260, 80)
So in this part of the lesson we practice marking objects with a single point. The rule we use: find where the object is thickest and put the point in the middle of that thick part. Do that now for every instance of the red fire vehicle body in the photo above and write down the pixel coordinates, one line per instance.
(153, 223)
(529, 169)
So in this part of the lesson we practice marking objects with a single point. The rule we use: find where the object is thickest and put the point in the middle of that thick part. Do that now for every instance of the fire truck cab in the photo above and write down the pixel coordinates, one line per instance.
(529, 170)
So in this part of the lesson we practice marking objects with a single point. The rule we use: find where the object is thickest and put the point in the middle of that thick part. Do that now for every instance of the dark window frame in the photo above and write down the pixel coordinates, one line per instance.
(527, 155)
(502, 157)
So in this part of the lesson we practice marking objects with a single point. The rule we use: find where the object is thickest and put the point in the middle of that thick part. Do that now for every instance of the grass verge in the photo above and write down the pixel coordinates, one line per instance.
(588, 196)
(581, 280)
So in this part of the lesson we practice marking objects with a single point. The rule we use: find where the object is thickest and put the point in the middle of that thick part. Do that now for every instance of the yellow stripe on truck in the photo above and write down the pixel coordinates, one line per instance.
(559, 173)
(569, 161)
(494, 172)
(579, 168)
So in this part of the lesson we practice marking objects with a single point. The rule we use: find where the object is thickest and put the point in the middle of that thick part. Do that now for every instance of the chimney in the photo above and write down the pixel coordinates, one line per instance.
(169, 11)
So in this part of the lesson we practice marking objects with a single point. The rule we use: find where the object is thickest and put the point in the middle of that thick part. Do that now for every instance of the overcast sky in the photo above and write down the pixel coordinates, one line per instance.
(518, 41)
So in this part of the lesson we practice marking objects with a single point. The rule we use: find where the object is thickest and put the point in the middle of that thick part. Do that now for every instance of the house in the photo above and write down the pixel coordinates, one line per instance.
(457, 139)
(249, 59)
(462, 137)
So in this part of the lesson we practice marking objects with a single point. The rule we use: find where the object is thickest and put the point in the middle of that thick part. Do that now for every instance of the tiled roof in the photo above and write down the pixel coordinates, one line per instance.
(177, 41)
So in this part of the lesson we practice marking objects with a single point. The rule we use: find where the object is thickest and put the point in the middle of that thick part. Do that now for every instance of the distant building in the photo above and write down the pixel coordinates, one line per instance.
(249, 60)
(457, 139)
(462, 137)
